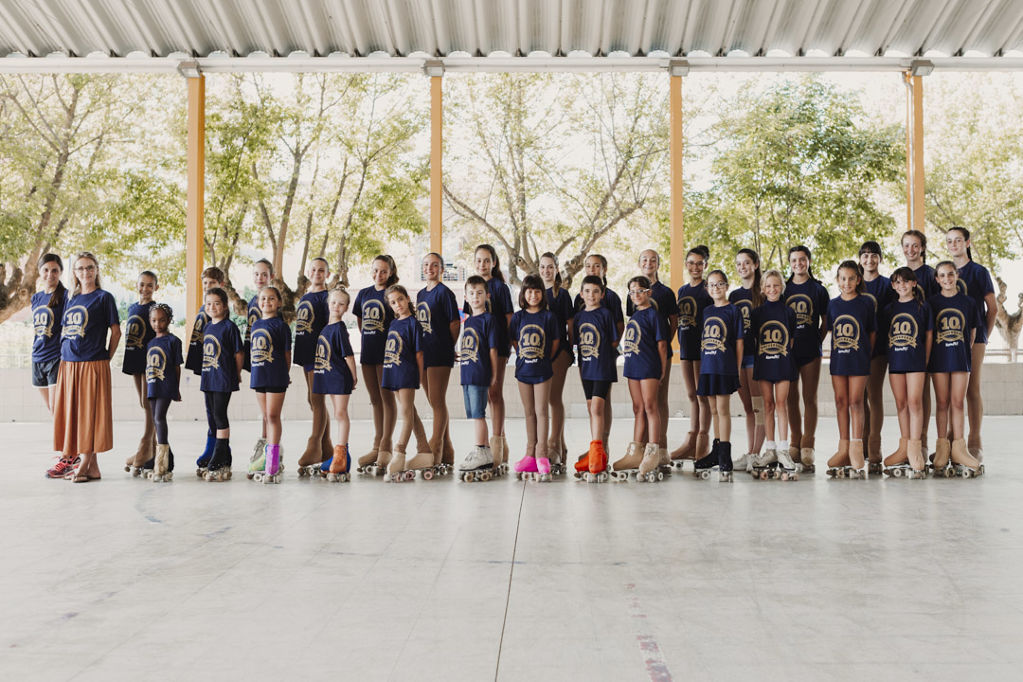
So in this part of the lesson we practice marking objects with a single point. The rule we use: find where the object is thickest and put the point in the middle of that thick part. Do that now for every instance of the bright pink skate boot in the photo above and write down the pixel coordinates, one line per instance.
(526, 465)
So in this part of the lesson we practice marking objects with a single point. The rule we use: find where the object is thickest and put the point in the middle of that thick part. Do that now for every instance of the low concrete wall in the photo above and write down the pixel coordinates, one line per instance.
(20, 401)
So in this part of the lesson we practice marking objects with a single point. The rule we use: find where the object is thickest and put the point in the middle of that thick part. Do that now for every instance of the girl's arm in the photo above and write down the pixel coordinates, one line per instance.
(554, 348)
(507, 320)
(350, 359)
(239, 361)
(973, 335)
(873, 338)
(455, 327)
(115, 338)
(662, 350)
(992, 313)
(672, 324)
(419, 363)
(738, 352)
(927, 347)
(287, 358)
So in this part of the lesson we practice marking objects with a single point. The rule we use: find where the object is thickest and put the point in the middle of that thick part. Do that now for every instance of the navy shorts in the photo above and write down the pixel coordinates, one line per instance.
(747, 361)
(45, 373)
(475, 398)
(270, 389)
(717, 384)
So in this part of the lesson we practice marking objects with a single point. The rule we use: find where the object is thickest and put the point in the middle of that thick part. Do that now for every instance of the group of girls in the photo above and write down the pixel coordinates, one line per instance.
(763, 340)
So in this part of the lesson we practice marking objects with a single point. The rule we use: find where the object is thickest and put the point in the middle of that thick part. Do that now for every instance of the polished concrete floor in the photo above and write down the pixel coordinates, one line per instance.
(442, 580)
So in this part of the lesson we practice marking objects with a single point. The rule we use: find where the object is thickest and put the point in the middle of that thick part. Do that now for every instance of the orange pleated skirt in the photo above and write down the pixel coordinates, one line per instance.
(83, 419)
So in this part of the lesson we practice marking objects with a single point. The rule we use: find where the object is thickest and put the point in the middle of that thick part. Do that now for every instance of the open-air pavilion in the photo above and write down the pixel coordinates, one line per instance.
(818, 580)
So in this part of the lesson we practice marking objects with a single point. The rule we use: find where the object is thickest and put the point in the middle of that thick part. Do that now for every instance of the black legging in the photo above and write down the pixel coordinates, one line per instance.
(159, 407)
(216, 410)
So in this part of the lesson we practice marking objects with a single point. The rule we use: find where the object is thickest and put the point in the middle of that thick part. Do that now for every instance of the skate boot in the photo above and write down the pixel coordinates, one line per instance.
(161, 464)
(630, 462)
(427, 464)
(786, 467)
(896, 464)
(272, 469)
(917, 464)
(396, 469)
(663, 461)
(724, 462)
(526, 467)
(706, 464)
(807, 455)
(839, 462)
(64, 468)
(309, 463)
(340, 465)
(379, 467)
(369, 459)
(745, 462)
(874, 455)
(597, 472)
(556, 457)
(765, 465)
(649, 465)
(478, 465)
(857, 462)
(219, 468)
(203, 462)
(976, 449)
(942, 451)
(257, 459)
(582, 465)
(685, 451)
(543, 469)
(963, 463)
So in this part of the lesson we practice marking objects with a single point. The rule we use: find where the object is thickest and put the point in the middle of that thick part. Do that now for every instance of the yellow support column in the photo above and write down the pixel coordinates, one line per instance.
(914, 152)
(676, 261)
(196, 154)
(434, 69)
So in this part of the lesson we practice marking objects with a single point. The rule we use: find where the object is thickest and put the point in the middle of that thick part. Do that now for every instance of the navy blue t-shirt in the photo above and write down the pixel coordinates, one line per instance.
(954, 317)
(436, 310)
(643, 331)
(927, 281)
(851, 323)
(742, 299)
(479, 335)
(774, 325)
(880, 290)
(271, 339)
(404, 340)
(87, 317)
(163, 367)
(905, 327)
(193, 357)
(691, 301)
(311, 315)
(662, 299)
(723, 326)
(975, 282)
(609, 300)
(535, 334)
(809, 301)
(376, 315)
(331, 374)
(561, 306)
(252, 314)
(221, 341)
(46, 323)
(500, 306)
(596, 333)
(137, 335)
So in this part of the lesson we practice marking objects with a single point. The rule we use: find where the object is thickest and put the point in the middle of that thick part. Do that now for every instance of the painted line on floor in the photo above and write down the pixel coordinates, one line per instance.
(656, 666)
(511, 574)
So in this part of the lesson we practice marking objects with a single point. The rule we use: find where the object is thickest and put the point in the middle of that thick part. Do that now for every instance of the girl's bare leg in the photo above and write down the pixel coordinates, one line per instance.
(975, 402)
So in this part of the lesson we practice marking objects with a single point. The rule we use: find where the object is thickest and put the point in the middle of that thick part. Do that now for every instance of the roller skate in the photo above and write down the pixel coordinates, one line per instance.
(765, 465)
(582, 465)
(526, 467)
(806, 455)
(338, 467)
(940, 464)
(220, 462)
(478, 465)
(724, 462)
(629, 463)
(686, 451)
(427, 464)
(557, 458)
(365, 462)
(64, 468)
(202, 464)
(964, 464)
(705, 465)
(745, 462)
(543, 469)
(597, 463)
(257, 459)
(874, 465)
(163, 464)
(500, 458)
(396, 470)
(976, 450)
(272, 470)
(649, 466)
(838, 465)
(663, 461)
(787, 470)
(309, 464)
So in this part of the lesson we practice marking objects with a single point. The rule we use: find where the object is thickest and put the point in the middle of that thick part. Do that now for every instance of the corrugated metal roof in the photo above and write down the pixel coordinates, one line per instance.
(477, 28)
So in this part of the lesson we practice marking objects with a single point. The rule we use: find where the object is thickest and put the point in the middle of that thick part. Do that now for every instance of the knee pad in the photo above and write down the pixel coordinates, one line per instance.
(758, 409)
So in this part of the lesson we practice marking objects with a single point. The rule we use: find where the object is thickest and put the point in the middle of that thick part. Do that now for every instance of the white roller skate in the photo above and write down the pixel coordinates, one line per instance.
(787, 470)
(765, 465)
(258, 458)
(478, 465)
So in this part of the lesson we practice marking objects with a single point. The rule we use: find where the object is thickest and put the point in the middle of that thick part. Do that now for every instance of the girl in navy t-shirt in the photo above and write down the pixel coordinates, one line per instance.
(597, 338)
(374, 316)
(403, 366)
(262, 273)
(595, 265)
(878, 288)
(559, 302)
(270, 360)
(906, 326)
(914, 248)
(437, 312)
(533, 331)
(645, 346)
(137, 335)
(721, 351)
(808, 299)
(499, 304)
(975, 282)
(310, 317)
(334, 375)
(47, 312)
(851, 321)
(773, 326)
(747, 297)
(691, 300)
(163, 380)
(212, 277)
(223, 353)
(955, 327)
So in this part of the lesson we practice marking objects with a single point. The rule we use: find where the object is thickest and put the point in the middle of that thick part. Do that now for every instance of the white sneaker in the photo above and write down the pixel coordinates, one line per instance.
(478, 458)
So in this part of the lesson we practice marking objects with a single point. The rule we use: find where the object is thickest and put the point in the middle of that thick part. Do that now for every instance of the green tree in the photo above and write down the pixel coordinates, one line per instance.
(796, 163)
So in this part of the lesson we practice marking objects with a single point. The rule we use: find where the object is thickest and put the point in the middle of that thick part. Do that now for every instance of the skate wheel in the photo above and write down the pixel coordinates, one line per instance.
(660, 476)
(485, 476)
(427, 475)
(601, 477)
(704, 475)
